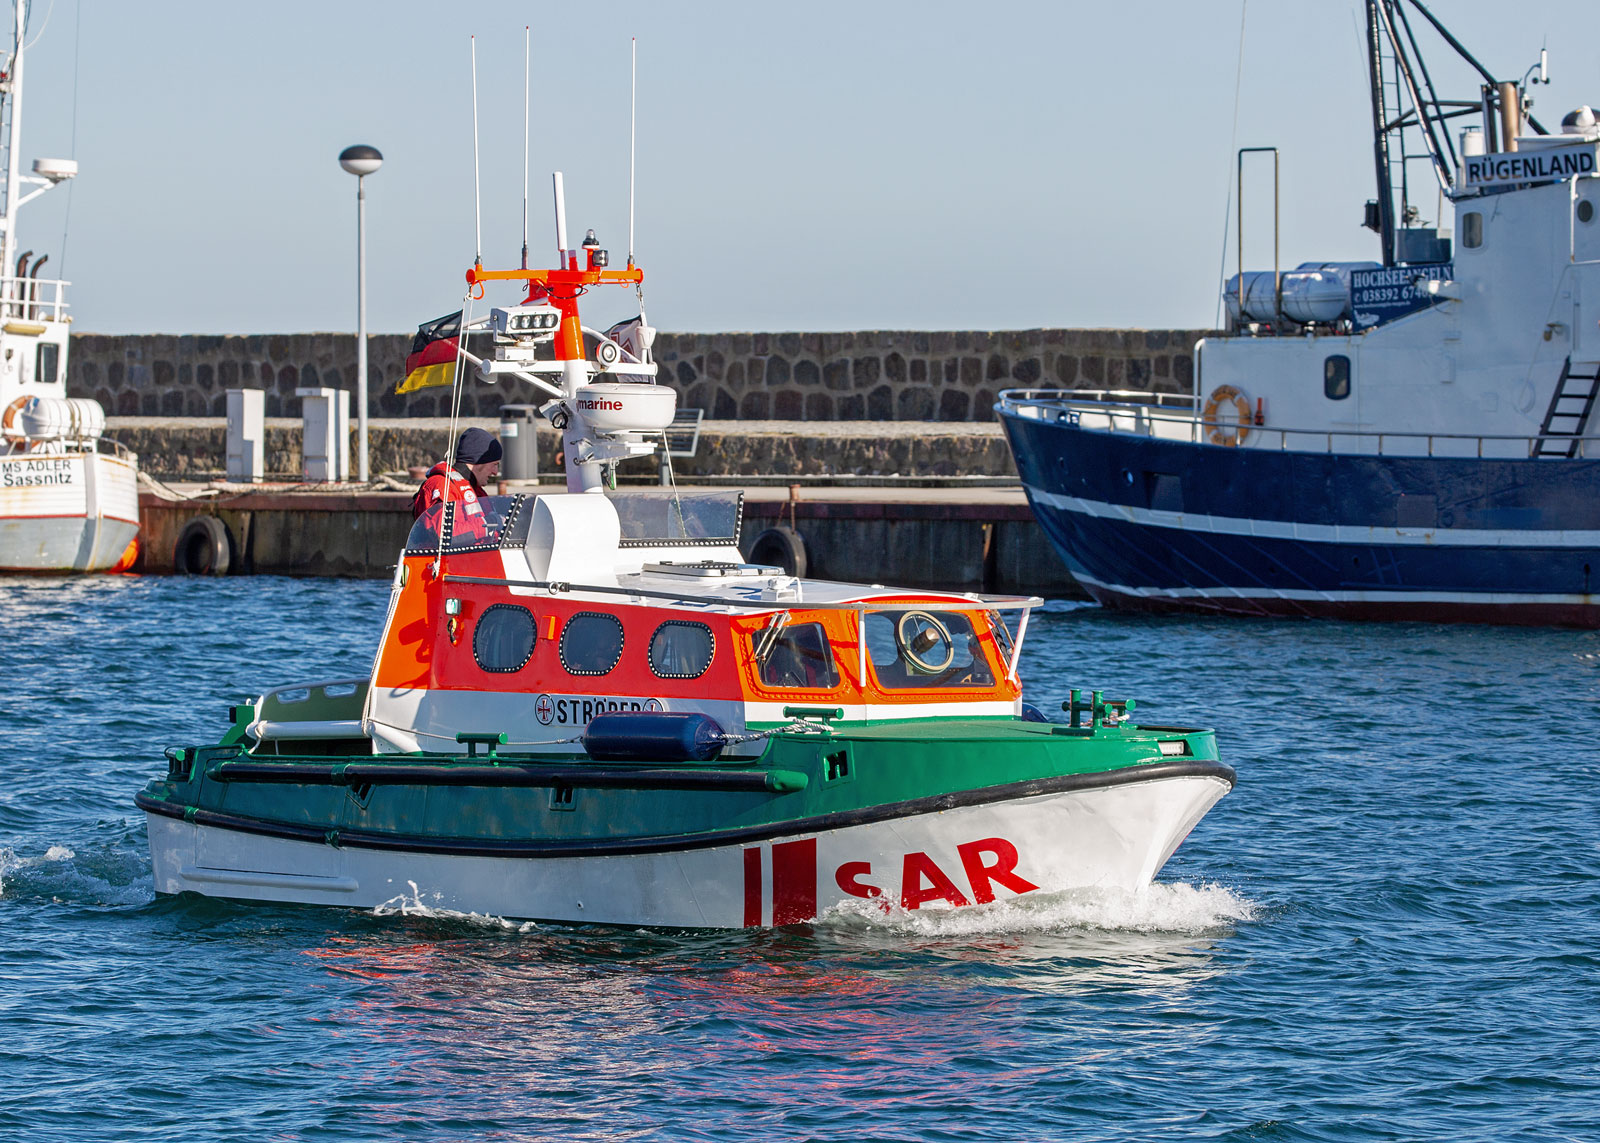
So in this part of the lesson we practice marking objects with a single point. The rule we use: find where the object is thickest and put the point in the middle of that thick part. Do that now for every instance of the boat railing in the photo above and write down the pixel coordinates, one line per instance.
(33, 299)
(62, 445)
(1092, 409)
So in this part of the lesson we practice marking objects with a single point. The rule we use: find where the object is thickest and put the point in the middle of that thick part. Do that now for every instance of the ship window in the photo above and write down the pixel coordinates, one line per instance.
(495, 521)
(591, 643)
(1472, 230)
(1336, 377)
(1585, 210)
(681, 650)
(502, 640)
(795, 656)
(47, 364)
(912, 649)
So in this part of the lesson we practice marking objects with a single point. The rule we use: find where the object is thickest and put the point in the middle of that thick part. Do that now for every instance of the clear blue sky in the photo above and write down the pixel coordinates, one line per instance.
(827, 165)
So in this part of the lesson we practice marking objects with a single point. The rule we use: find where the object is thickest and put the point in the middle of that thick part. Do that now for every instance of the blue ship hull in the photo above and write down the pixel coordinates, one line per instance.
(1159, 525)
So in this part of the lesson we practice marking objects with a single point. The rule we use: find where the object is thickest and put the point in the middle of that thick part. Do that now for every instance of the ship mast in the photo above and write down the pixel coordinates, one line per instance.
(1380, 137)
(1404, 100)
(11, 93)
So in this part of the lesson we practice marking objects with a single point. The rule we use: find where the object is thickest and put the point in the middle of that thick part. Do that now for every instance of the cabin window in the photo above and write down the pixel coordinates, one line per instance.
(681, 650)
(47, 363)
(1336, 377)
(501, 521)
(912, 649)
(1472, 230)
(1585, 210)
(502, 641)
(794, 656)
(591, 643)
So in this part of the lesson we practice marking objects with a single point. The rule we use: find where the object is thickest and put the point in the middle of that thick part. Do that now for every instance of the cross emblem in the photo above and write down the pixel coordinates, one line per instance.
(544, 709)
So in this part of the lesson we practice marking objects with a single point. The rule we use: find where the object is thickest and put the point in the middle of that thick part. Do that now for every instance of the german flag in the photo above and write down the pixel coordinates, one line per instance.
(432, 360)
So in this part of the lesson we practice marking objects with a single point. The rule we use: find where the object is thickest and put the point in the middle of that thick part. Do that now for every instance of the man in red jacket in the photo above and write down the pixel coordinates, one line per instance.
(477, 462)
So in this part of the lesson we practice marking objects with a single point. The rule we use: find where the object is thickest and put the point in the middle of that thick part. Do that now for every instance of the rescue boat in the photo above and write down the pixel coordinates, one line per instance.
(588, 706)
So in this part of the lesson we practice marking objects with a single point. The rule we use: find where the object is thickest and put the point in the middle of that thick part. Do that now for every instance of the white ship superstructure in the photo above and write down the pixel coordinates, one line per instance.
(68, 497)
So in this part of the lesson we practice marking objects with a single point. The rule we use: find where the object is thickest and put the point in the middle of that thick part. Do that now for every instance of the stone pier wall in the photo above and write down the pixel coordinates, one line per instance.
(863, 376)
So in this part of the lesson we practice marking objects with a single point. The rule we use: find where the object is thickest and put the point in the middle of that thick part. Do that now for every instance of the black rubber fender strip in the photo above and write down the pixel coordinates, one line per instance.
(509, 776)
(679, 843)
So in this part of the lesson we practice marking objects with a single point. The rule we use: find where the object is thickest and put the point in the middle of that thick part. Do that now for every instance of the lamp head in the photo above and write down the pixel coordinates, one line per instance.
(360, 159)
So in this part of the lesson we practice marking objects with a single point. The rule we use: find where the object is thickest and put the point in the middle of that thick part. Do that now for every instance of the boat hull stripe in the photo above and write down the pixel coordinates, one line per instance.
(604, 847)
(1364, 534)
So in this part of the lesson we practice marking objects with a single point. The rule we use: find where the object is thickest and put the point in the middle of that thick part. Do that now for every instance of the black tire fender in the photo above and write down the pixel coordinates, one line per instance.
(204, 547)
(783, 547)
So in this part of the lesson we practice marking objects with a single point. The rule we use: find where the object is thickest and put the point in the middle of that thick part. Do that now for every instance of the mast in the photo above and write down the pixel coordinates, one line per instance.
(11, 91)
(1380, 134)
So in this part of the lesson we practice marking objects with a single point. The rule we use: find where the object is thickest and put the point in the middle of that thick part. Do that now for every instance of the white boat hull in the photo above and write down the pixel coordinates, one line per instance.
(1111, 837)
(66, 512)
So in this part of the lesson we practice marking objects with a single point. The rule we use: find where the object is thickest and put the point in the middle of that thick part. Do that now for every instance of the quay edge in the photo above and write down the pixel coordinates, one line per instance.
(936, 538)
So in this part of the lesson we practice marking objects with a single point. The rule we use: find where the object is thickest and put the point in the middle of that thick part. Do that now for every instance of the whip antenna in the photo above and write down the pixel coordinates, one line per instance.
(633, 133)
(561, 218)
(477, 195)
(526, 65)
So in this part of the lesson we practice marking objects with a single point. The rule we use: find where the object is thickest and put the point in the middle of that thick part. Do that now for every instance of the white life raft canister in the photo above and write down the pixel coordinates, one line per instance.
(58, 418)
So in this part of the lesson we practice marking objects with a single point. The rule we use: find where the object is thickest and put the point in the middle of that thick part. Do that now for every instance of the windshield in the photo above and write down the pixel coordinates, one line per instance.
(688, 519)
(913, 648)
(497, 521)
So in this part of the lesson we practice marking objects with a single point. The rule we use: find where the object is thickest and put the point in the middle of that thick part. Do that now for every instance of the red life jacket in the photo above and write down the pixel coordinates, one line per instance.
(445, 485)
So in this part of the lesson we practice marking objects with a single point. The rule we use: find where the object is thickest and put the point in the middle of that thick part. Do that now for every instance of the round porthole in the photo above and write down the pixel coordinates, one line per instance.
(680, 650)
(502, 639)
(1585, 210)
(591, 643)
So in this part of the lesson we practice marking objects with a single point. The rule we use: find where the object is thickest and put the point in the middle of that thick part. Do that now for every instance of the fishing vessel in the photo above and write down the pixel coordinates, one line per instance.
(587, 706)
(69, 497)
(1406, 438)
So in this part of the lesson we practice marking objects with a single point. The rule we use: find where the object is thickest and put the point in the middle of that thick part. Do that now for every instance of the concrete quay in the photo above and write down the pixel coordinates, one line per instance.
(962, 538)
(193, 448)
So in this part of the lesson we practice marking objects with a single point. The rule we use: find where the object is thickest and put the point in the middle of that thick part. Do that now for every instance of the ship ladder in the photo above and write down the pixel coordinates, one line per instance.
(1569, 411)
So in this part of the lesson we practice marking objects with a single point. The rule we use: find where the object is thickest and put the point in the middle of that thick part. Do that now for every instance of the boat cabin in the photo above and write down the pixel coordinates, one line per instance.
(550, 609)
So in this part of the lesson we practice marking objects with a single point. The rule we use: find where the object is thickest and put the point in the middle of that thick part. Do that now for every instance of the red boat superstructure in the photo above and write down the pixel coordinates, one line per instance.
(584, 620)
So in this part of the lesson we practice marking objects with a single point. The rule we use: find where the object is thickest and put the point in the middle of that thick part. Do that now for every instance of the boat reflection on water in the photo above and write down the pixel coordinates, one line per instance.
(862, 1001)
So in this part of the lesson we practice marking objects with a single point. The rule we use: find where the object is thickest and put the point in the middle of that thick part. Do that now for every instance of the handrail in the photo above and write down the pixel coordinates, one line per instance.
(1144, 416)
(957, 600)
(33, 299)
(64, 444)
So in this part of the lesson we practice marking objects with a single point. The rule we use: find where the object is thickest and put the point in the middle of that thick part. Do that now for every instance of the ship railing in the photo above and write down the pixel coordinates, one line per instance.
(33, 299)
(61, 445)
(1107, 411)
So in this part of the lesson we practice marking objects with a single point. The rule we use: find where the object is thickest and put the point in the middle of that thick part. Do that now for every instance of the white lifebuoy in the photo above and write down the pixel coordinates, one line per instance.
(1216, 431)
(9, 428)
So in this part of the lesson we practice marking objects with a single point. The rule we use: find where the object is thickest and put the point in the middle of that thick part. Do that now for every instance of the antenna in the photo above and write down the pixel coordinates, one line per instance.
(526, 64)
(561, 221)
(633, 134)
(477, 194)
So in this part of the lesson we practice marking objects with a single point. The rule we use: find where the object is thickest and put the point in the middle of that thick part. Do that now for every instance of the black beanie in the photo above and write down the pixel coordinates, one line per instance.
(477, 447)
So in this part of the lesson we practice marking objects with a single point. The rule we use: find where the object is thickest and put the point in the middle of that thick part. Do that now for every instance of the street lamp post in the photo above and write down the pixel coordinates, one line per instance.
(361, 161)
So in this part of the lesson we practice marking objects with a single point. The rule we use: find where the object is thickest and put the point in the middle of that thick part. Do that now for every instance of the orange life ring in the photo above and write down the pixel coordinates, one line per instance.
(8, 421)
(1216, 431)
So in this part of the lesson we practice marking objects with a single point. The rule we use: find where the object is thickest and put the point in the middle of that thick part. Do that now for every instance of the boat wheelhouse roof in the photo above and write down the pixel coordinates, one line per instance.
(667, 550)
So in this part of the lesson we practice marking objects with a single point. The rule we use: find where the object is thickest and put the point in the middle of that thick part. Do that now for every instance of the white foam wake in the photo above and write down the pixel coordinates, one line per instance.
(100, 875)
(412, 905)
(1160, 908)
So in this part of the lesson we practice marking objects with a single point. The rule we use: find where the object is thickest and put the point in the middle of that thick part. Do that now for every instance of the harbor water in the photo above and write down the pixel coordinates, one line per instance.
(1389, 930)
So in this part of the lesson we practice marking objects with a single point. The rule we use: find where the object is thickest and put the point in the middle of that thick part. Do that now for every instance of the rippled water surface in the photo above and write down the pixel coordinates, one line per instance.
(1388, 930)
